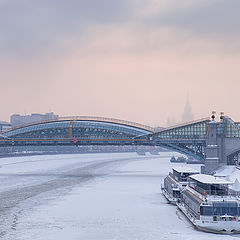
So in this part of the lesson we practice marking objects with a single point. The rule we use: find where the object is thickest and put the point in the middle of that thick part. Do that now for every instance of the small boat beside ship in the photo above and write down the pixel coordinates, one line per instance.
(210, 205)
(188, 160)
(178, 160)
(175, 182)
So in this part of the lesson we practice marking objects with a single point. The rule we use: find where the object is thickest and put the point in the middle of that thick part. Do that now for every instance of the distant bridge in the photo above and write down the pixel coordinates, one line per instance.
(217, 143)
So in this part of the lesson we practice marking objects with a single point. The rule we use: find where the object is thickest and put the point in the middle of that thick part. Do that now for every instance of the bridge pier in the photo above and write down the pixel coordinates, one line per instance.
(213, 150)
(222, 144)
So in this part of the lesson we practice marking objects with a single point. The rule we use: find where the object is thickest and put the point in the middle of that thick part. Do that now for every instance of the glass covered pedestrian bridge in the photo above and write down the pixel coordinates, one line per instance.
(229, 128)
(191, 130)
(79, 128)
(188, 138)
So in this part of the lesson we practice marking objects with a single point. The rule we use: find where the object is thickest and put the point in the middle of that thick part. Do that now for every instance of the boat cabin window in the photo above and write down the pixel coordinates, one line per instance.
(181, 176)
(176, 193)
(225, 208)
(220, 208)
(206, 210)
(210, 189)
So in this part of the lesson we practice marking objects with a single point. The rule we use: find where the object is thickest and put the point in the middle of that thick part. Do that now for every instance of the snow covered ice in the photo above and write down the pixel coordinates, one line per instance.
(90, 196)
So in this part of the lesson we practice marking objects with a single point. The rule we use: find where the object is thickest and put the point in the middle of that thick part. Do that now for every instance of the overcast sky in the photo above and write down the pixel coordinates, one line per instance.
(129, 59)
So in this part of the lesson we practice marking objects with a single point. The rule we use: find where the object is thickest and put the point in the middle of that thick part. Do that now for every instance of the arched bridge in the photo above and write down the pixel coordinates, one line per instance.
(186, 138)
(76, 130)
(217, 143)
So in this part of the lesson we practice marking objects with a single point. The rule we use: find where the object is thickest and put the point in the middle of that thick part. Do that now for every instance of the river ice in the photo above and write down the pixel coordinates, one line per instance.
(90, 196)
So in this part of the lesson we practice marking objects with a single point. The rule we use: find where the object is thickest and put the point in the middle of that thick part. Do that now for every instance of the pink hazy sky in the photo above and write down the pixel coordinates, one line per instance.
(133, 60)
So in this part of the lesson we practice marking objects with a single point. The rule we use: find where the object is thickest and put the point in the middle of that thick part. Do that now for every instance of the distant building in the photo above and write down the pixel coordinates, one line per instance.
(187, 113)
(4, 126)
(17, 120)
(187, 116)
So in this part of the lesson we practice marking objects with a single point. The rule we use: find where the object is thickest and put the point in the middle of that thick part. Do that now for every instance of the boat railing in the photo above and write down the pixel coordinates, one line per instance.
(199, 190)
(233, 192)
(174, 177)
(172, 181)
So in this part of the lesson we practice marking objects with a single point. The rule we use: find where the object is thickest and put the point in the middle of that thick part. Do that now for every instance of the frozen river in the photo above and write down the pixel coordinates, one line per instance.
(90, 196)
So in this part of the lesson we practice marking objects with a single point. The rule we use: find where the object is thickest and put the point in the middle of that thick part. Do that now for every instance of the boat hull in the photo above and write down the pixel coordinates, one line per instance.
(222, 227)
(170, 198)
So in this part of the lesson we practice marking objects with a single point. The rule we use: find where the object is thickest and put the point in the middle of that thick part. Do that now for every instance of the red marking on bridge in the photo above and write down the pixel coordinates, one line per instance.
(75, 139)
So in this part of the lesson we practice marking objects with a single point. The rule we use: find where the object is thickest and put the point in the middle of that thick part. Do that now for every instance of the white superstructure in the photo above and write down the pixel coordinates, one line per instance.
(210, 205)
(175, 182)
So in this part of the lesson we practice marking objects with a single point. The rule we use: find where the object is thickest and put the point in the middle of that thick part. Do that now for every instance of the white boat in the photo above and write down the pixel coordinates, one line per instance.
(175, 182)
(210, 205)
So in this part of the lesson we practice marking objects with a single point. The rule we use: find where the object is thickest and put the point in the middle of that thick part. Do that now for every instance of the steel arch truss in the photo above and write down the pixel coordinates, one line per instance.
(192, 149)
(78, 131)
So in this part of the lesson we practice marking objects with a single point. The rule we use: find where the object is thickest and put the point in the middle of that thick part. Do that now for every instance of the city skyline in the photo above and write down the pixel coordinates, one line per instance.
(134, 60)
(17, 119)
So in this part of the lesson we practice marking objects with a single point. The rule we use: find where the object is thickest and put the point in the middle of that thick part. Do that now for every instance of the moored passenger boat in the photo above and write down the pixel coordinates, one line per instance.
(175, 182)
(210, 205)
(178, 160)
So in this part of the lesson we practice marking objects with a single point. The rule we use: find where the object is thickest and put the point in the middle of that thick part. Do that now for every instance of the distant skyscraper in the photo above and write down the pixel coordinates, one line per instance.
(187, 114)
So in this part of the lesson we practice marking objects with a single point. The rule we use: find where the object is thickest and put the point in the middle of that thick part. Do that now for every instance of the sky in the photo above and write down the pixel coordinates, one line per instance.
(136, 60)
